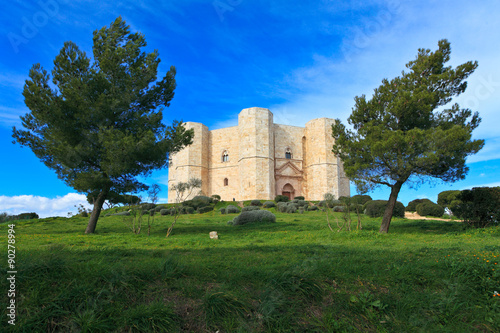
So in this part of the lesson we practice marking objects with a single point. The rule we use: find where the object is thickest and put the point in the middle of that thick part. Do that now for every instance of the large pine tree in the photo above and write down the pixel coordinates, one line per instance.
(405, 133)
(98, 124)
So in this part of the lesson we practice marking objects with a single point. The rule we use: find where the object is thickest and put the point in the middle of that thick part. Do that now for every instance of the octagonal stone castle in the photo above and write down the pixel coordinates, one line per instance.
(259, 159)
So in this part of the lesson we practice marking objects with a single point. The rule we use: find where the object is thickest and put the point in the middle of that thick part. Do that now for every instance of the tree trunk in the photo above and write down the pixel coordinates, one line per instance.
(96, 211)
(386, 220)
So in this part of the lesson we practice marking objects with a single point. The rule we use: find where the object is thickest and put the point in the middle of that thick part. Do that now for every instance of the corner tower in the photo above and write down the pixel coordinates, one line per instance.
(256, 154)
(324, 170)
(190, 162)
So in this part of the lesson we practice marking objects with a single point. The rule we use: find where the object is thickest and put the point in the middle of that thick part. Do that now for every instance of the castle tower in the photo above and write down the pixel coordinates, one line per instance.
(256, 154)
(191, 162)
(324, 171)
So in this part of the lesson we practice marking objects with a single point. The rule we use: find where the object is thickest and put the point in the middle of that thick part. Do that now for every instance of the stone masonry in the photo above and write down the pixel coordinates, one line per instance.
(259, 159)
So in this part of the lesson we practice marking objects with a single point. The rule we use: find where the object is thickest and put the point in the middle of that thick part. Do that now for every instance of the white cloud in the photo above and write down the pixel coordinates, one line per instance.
(44, 207)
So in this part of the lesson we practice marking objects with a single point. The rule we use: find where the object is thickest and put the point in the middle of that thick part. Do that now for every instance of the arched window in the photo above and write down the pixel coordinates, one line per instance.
(226, 182)
(225, 156)
(288, 154)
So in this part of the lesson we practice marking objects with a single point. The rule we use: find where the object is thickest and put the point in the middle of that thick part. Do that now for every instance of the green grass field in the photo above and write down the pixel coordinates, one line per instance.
(291, 276)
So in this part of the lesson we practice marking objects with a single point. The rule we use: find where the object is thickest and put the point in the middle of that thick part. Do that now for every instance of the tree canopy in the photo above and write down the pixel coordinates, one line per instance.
(98, 123)
(405, 133)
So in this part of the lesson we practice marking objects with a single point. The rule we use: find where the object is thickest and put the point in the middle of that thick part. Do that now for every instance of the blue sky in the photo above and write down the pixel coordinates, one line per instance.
(302, 60)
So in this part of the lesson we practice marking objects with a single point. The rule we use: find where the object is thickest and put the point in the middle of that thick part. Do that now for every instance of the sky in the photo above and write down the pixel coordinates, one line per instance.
(301, 60)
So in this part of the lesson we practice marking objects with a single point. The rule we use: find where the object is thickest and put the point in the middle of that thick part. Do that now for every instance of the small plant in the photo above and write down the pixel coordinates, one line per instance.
(255, 203)
(249, 208)
(221, 305)
(230, 209)
(299, 197)
(254, 216)
(269, 204)
(281, 198)
(430, 209)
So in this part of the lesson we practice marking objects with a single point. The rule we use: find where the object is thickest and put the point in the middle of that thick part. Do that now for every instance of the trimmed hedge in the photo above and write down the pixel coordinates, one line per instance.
(165, 212)
(205, 209)
(249, 208)
(223, 210)
(281, 198)
(215, 198)
(255, 203)
(376, 208)
(430, 209)
(412, 205)
(360, 199)
(254, 216)
(269, 204)
(312, 208)
(300, 198)
(232, 209)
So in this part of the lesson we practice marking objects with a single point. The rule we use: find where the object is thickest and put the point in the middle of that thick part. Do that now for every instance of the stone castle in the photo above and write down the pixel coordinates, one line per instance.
(259, 159)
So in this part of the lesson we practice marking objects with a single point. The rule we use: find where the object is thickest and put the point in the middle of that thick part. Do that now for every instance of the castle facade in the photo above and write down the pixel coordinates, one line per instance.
(259, 159)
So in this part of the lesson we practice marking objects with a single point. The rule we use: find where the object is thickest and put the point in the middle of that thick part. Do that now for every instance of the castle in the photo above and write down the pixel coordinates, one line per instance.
(259, 159)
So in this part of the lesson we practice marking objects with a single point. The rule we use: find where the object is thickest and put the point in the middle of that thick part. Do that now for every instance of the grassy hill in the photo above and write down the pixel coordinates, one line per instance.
(291, 276)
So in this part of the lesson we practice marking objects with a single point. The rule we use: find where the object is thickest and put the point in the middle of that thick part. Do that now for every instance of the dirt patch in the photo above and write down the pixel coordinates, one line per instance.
(415, 216)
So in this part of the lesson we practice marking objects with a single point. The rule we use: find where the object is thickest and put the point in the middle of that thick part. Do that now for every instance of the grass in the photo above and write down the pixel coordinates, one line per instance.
(291, 276)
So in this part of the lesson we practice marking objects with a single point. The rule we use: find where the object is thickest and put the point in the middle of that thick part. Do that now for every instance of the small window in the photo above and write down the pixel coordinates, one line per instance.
(226, 182)
(288, 154)
(225, 156)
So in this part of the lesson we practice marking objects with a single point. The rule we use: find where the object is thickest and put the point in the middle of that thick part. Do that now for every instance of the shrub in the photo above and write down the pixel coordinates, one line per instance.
(445, 198)
(165, 212)
(148, 206)
(281, 207)
(215, 198)
(338, 209)
(249, 208)
(254, 216)
(312, 208)
(223, 210)
(291, 208)
(430, 209)
(26, 216)
(281, 198)
(151, 212)
(412, 205)
(190, 210)
(205, 209)
(376, 208)
(480, 206)
(269, 204)
(299, 197)
(256, 203)
(360, 199)
(232, 209)
(302, 203)
(301, 210)
(158, 208)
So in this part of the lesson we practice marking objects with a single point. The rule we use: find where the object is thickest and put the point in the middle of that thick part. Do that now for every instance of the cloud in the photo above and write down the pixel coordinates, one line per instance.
(44, 207)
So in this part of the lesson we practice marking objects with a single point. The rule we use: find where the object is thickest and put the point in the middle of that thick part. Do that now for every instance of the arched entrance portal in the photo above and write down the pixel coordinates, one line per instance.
(288, 191)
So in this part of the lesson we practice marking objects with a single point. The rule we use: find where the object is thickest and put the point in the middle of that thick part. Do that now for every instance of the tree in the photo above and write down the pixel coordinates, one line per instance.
(183, 190)
(404, 133)
(98, 124)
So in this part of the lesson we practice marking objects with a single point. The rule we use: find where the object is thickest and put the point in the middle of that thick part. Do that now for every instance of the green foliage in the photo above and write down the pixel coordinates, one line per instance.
(215, 198)
(269, 204)
(98, 122)
(256, 203)
(230, 209)
(154, 317)
(221, 305)
(480, 206)
(376, 208)
(165, 212)
(361, 199)
(445, 198)
(299, 197)
(249, 208)
(429, 208)
(405, 132)
(291, 208)
(148, 206)
(205, 209)
(412, 205)
(254, 216)
(339, 209)
(281, 198)
(312, 208)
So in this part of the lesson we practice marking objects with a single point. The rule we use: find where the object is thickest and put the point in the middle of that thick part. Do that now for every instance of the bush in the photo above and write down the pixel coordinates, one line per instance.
(223, 210)
(480, 206)
(430, 209)
(269, 204)
(330, 203)
(312, 208)
(281, 198)
(215, 198)
(165, 212)
(190, 210)
(254, 216)
(338, 209)
(232, 209)
(376, 208)
(281, 207)
(360, 199)
(301, 210)
(249, 208)
(300, 197)
(158, 208)
(445, 198)
(205, 209)
(26, 216)
(148, 206)
(302, 203)
(412, 205)
(255, 203)
(291, 208)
